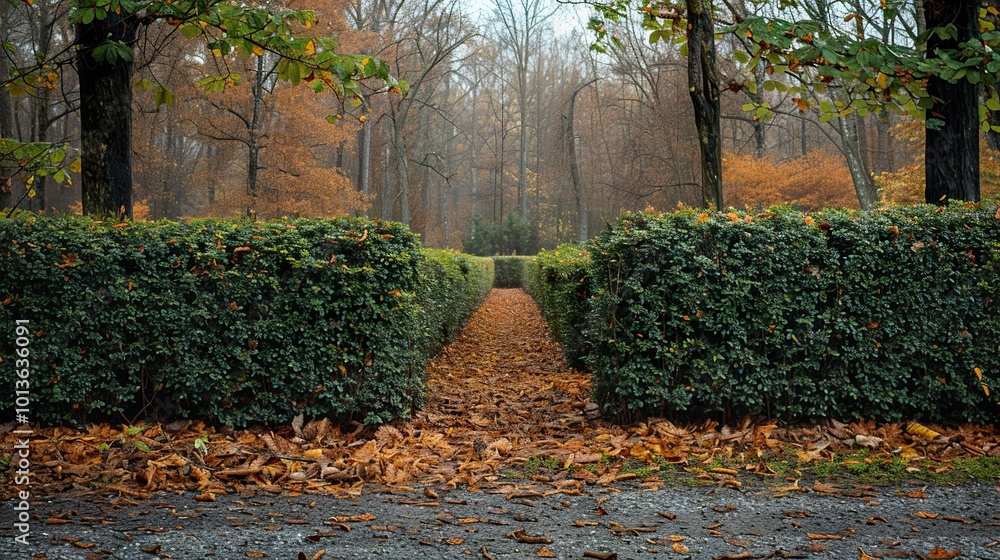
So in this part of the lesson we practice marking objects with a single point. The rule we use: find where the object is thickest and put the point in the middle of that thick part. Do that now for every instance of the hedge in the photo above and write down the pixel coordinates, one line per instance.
(557, 280)
(455, 284)
(887, 315)
(230, 321)
(510, 271)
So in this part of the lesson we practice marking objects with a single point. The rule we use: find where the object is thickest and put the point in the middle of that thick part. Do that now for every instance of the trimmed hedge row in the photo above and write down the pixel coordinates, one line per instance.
(888, 315)
(557, 280)
(455, 284)
(231, 321)
(510, 271)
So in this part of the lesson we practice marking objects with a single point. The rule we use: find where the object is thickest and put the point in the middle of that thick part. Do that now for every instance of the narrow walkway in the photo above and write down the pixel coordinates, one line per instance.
(505, 378)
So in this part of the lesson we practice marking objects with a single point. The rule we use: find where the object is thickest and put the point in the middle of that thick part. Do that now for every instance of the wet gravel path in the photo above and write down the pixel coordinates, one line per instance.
(634, 523)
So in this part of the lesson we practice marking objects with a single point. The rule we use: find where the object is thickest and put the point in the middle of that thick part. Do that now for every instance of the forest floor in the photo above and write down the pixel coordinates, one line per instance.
(509, 422)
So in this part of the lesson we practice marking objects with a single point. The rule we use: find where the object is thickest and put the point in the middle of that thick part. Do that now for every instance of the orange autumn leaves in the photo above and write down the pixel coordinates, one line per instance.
(819, 179)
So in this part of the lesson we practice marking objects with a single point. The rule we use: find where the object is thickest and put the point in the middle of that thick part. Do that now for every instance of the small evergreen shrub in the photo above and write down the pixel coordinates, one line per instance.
(231, 321)
(888, 315)
(558, 281)
(510, 271)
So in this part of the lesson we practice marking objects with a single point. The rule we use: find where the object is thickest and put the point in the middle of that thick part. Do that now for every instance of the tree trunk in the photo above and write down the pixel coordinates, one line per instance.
(759, 132)
(952, 146)
(864, 186)
(522, 184)
(703, 79)
(254, 147)
(574, 167)
(6, 121)
(474, 146)
(365, 155)
(106, 118)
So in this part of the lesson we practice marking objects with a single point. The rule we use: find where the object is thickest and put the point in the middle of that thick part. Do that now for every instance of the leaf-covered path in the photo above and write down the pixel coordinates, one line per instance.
(503, 386)
(505, 414)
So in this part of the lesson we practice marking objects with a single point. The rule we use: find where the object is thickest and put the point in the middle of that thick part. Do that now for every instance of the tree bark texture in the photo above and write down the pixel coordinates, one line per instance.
(952, 148)
(703, 80)
(106, 118)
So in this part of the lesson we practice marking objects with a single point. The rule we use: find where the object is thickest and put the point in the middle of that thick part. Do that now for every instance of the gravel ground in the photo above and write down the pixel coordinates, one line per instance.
(634, 523)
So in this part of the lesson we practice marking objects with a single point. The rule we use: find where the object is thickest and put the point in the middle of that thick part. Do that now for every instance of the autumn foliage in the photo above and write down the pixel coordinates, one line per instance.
(907, 184)
(819, 179)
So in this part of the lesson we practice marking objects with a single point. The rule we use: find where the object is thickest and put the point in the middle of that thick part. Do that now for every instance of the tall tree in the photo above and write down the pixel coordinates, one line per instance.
(520, 25)
(703, 80)
(952, 143)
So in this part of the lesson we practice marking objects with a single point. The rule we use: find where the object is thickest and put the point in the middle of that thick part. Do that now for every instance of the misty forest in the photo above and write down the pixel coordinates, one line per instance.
(491, 126)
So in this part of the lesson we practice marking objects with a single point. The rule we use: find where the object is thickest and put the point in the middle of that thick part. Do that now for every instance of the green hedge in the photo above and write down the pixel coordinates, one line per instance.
(886, 315)
(510, 271)
(455, 284)
(557, 281)
(231, 321)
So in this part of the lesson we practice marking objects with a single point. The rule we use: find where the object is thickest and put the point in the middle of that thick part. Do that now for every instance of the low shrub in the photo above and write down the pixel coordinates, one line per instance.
(454, 286)
(558, 281)
(887, 315)
(230, 321)
(510, 271)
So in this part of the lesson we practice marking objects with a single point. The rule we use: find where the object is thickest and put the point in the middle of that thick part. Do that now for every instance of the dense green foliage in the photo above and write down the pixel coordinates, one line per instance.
(454, 286)
(512, 237)
(231, 321)
(557, 281)
(510, 271)
(887, 315)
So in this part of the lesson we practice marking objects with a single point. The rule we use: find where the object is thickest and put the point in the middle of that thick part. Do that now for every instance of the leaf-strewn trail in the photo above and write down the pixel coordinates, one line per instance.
(503, 404)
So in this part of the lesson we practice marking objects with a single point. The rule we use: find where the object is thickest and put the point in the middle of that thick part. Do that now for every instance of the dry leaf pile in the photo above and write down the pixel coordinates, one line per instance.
(500, 395)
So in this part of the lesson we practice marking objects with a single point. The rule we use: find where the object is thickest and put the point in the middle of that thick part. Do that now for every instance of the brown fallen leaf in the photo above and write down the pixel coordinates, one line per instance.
(917, 494)
(938, 553)
(455, 541)
(431, 494)
(740, 556)
(821, 537)
(56, 521)
(353, 518)
(680, 548)
(486, 554)
(253, 554)
(926, 515)
(579, 523)
(669, 516)
(520, 536)
(545, 553)
(600, 556)
(205, 497)
(864, 555)
(874, 518)
(956, 519)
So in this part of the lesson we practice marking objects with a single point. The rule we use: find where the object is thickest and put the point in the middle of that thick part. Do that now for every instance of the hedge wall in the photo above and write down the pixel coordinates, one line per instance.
(455, 284)
(888, 315)
(557, 280)
(510, 271)
(231, 321)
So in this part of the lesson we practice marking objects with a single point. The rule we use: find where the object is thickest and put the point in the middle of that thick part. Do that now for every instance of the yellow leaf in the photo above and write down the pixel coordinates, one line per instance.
(310, 47)
(342, 368)
(922, 431)
(979, 373)
(76, 166)
(32, 193)
(883, 80)
(864, 556)
(986, 389)
(258, 50)
(680, 548)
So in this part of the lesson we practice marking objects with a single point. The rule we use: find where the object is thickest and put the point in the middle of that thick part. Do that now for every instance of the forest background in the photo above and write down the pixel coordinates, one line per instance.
(515, 134)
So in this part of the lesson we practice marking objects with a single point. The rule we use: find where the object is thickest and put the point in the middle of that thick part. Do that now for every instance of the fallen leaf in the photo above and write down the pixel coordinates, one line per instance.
(680, 548)
(545, 553)
(455, 541)
(821, 537)
(864, 555)
(520, 536)
(600, 556)
(253, 554)
(921, 431)
(939, 553)
(926, 515)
